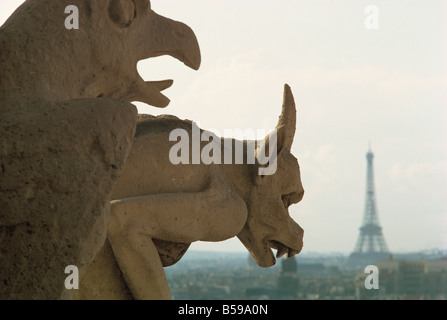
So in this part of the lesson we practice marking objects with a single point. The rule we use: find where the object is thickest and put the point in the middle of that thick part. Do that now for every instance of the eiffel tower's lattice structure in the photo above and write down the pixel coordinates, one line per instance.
(371, 245)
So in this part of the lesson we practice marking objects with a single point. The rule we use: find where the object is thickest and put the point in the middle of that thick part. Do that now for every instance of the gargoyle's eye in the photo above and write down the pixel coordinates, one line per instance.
(122, 12)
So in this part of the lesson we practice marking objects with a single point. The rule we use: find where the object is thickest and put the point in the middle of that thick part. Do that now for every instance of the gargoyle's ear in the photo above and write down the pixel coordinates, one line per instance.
(122, 12)
(287, 121)
(269, 149)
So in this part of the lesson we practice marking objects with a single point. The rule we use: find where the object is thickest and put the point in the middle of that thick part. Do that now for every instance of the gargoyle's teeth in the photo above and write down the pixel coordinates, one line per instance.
(282, 250)
(292, 252)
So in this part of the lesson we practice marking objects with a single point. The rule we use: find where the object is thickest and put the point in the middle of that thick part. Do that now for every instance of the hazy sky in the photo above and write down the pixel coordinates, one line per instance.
(351, 85)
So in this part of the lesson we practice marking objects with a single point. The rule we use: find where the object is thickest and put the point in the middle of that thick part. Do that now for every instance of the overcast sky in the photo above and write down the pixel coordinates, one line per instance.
(352, 85)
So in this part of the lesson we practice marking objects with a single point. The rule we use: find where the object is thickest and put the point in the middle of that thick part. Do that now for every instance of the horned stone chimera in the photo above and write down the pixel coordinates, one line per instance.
(66, 128)
(159, 209)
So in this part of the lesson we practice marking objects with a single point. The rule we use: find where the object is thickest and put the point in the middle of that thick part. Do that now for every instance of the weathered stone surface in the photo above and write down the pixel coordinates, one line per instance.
(103, 279)
(66, 127)
(159, 208)
(59, 165)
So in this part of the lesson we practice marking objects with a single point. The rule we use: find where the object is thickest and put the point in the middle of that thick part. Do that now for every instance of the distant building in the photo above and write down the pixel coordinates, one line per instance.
(288, 279)
(435, 280)
(312, 269)
(414, 278)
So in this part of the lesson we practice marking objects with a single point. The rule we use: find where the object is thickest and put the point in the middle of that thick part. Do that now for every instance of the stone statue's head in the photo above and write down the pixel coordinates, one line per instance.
(269, 224)
(99, 57)
(149, 35)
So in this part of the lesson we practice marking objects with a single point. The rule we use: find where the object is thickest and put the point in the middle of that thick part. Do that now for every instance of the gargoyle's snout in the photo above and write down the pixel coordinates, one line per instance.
(165, 37)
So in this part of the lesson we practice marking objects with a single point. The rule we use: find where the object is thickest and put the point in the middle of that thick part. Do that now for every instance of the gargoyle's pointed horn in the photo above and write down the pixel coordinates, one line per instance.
(287, 119)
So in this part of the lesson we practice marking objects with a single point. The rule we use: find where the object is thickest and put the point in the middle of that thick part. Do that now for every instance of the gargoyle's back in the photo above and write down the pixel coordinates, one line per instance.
(148, 169)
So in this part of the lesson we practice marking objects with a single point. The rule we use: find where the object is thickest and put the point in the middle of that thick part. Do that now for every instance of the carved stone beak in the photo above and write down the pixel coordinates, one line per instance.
(166, 37)
(172, 38)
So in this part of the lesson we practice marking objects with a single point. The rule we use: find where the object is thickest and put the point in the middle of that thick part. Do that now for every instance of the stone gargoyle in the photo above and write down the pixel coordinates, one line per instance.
(160, 208)
(66, 128)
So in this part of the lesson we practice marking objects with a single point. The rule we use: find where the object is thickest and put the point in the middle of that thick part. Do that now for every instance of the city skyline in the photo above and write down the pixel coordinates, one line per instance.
(352, 85)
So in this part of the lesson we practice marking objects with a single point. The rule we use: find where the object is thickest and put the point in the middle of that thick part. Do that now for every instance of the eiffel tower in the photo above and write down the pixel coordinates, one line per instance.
(371, 245)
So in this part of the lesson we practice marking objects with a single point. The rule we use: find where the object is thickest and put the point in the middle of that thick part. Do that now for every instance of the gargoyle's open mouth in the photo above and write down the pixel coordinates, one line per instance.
(151, 92)
(168, 37)
(262, 249)
(190, 57)
(282, 249)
